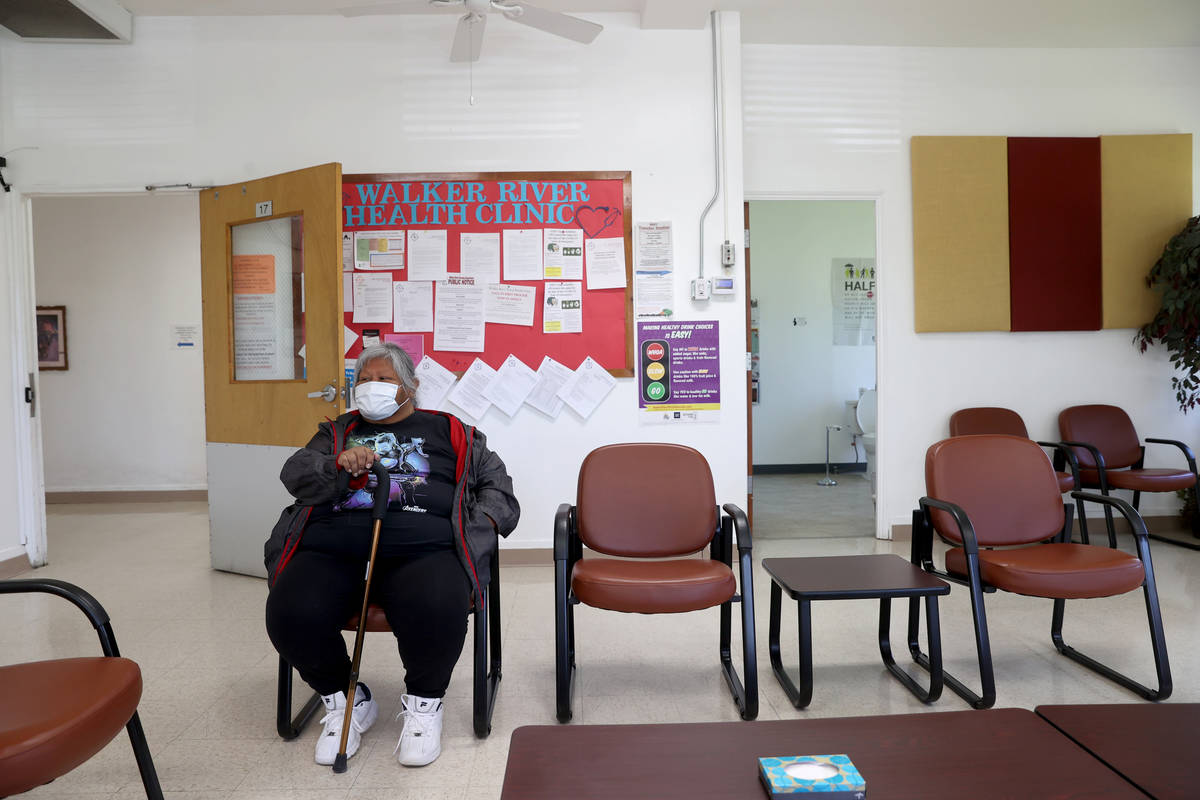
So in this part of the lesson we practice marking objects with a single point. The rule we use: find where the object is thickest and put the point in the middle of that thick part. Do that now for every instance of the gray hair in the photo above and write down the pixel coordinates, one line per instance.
(400, 361)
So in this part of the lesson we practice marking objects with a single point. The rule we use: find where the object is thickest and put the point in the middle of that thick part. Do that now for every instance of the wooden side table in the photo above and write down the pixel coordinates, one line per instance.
(882, 576)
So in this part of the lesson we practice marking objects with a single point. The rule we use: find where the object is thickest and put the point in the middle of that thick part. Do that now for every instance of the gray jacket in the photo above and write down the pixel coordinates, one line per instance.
(482, 490)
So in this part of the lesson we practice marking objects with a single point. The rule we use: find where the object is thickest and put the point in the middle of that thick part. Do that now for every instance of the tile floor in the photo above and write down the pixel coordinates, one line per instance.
(790, 506)
(209, 671)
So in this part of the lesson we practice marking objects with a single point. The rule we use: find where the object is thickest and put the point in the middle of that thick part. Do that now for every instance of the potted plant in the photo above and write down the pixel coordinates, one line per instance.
(1177, 326)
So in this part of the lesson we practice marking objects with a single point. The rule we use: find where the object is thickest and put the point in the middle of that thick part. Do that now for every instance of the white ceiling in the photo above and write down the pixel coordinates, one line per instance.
(940, 23)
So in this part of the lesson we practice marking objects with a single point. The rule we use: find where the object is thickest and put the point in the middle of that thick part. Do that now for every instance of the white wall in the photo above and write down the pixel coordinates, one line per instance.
(129, 413)
(212, 100)
(839, 119)
(804, 379)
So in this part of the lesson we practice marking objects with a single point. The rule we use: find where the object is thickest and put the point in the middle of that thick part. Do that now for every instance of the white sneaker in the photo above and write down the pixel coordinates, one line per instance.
(361, 719)
(421, 740)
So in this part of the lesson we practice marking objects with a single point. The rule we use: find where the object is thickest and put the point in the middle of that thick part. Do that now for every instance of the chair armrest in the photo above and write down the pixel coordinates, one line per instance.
(1091, 448)
(1127, 511)
(563, 523)
(741, 527)
(1065, 449)
(1187, 451)
(89, 605)
(921, 552)
(965, 529)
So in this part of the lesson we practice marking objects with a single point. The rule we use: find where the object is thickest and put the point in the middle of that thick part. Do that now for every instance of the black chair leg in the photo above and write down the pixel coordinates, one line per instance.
(141, 752)
(564, 642)
(288, 727)
(745, 697)
(487, 671)
(1162, 665)
(983, 646)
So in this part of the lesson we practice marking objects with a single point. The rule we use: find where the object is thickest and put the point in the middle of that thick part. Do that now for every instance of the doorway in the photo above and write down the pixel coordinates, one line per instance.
(812, 331)
(125, 420)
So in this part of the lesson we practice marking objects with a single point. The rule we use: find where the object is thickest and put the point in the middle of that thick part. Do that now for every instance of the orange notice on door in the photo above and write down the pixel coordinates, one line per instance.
(254, 274)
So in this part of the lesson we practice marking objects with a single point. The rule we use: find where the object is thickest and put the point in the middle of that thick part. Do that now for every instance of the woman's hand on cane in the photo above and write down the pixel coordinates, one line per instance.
(357, 460)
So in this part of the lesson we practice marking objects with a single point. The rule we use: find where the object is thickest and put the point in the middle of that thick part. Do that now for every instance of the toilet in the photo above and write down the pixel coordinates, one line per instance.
(863, 424)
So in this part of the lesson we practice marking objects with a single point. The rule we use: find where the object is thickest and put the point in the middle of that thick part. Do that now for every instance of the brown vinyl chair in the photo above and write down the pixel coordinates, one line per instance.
(1111, 456)
(996, 498)
(992, 419)
(486, 664)
(652, 506)
(57, 714)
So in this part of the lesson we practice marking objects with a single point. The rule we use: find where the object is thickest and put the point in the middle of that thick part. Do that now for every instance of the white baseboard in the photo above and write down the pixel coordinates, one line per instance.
(12, 552)
(160, 487)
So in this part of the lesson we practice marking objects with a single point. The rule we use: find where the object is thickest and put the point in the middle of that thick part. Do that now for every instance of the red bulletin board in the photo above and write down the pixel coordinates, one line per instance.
(597, 202)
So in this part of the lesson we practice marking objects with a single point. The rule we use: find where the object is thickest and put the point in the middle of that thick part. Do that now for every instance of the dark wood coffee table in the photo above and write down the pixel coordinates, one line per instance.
(1152, 746)
(853, 578)
(983, 755)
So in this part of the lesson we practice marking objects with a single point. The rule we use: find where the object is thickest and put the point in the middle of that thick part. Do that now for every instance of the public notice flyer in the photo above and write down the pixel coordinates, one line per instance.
(587, 387)
(412, 306)
(347, 251)
(853, 287)
(372, 297)
(509, 304)
(653, 273)
(378, 250)
(605, 263)
(427, 255)
(458, 315)
(511, 385)
(679, 372)
(563, 310)
(436, 383)
(551, 376)
(563, 256)
(468, 393)
(479, 256)
(522, 254)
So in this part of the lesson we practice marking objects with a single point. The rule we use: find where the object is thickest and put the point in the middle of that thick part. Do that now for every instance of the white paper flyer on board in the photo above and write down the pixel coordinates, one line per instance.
(562, 310)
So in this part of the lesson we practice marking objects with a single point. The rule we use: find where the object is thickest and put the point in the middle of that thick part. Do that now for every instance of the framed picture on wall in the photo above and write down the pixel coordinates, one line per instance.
(52, 337)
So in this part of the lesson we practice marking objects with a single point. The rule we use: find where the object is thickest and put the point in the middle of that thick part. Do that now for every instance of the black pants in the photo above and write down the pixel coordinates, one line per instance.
(426, 599)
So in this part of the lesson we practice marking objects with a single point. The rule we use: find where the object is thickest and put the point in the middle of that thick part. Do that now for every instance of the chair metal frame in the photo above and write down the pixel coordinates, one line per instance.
(485, 681)
(922, 555)
(100, 621)
(568, 549)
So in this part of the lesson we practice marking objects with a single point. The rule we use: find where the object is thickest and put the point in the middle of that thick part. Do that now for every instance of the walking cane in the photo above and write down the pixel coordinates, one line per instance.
(383, 486)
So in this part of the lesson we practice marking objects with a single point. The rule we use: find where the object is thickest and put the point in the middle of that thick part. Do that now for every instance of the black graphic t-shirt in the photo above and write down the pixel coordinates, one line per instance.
(418, 455)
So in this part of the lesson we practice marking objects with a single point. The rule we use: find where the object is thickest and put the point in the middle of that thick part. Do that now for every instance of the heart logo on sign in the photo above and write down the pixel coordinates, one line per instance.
(595, 220)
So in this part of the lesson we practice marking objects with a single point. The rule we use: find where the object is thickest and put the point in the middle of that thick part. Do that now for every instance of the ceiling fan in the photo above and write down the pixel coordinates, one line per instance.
(468, 38)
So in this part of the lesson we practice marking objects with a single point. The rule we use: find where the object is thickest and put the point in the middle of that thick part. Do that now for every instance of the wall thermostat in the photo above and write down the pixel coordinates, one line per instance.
(722, 286)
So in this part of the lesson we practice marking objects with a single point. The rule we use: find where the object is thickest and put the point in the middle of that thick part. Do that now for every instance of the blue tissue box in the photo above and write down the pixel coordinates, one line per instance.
(784, 784)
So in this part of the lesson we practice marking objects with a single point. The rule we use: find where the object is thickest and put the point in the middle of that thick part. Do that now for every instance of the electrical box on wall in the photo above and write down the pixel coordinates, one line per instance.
(728, 254)
(722, 286)
(700, 288)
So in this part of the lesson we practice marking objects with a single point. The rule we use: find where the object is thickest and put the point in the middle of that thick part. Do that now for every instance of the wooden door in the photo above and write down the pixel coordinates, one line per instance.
(751, 395)
(271, 271)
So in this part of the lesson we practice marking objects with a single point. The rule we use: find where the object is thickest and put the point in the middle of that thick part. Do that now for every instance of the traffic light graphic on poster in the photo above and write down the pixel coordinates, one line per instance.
(656, 371)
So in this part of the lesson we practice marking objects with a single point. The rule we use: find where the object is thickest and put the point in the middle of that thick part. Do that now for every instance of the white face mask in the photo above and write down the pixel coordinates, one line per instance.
(377, 399)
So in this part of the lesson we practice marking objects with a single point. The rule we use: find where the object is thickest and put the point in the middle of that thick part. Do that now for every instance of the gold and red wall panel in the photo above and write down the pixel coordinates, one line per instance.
(1043, 234)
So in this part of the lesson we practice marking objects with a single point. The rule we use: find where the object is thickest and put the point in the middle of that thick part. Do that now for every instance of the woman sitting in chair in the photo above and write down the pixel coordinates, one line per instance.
(449, 497)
